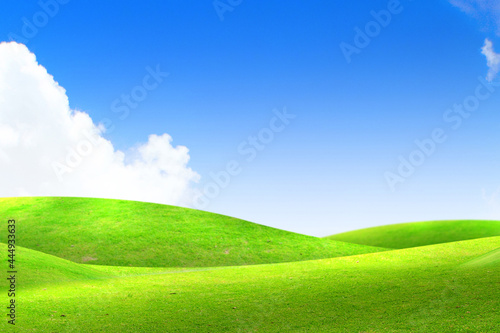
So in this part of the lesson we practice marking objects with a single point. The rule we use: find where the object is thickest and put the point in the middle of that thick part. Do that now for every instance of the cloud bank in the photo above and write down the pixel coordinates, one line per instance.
(47, 149)
(486, 11)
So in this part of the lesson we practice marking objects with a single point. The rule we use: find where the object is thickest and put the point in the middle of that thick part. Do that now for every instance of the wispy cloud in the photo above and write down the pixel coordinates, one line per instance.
(493, 60)
(486, 11)
(464, 5)
(48, 149)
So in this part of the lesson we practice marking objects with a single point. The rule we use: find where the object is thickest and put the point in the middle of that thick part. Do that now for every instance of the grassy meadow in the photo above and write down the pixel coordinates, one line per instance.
(451, 286)
(128, 233)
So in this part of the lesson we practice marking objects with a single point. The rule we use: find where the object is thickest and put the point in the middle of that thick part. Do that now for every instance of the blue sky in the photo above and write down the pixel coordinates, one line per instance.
(325, 172)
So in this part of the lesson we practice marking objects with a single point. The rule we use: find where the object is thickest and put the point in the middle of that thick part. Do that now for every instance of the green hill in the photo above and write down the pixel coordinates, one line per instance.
(424, 289)
(128, 233)
(405, 235)
(36, 268)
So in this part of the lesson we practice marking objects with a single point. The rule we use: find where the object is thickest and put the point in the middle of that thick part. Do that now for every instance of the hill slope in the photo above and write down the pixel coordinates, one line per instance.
(128, 233)
(423, 289)
(405, 235)
(37, 269)
(489, 259)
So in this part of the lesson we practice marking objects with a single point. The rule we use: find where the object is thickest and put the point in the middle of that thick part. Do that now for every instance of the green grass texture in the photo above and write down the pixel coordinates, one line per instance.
(138, 234)
(489, 259)
(405, 235)
(422, 289)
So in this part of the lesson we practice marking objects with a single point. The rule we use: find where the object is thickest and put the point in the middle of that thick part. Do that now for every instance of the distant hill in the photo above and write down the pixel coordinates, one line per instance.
(405, 235)
(129, 233)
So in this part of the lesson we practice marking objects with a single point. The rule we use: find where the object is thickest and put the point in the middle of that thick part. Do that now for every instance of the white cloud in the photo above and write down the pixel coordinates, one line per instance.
(486, 11)
(48, 149)
(492, 58)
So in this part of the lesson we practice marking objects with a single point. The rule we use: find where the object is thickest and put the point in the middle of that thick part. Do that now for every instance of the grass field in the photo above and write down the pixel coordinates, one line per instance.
(449, 287)
(128, 233)
(404, 235)
(424, 289)
(491, 258)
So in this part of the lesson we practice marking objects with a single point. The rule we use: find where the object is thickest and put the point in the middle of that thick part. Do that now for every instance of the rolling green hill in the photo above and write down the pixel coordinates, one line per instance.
(424, 289)
(128, 233)
(37, 269)
(405, 235)
(449, 287)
